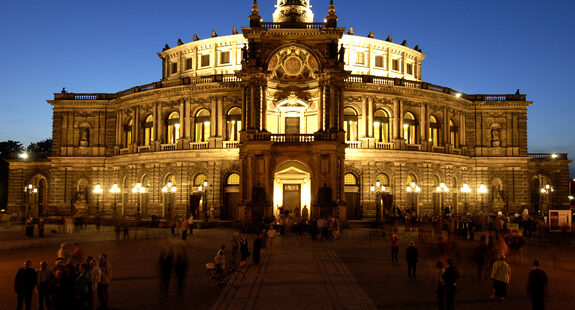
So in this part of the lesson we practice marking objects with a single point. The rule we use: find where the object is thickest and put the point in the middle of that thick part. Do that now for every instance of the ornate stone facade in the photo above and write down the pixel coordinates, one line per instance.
(289, 114)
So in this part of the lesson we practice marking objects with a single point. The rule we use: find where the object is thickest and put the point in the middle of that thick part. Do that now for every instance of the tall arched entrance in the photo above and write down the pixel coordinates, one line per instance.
(292, 187)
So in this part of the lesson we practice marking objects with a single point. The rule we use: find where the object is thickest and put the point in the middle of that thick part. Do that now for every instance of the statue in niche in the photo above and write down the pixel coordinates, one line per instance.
(495, 135)
(497, 192)
(84, 136)
(81, 194)
(341, 54)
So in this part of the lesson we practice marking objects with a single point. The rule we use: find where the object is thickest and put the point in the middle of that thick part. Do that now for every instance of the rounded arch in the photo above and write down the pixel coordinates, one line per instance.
(436, 181)
(350, 124)
(410, 132)
(145, 181)
(349, 111)
(234, 111)
(289, 163)
(174, 115)
(308, 58)
(202, 125)
(383, 179)
(381, 113)
(233, 123)
(233, 179)
(411, 178)
(409, 116)
(350, 179)
(199, 179)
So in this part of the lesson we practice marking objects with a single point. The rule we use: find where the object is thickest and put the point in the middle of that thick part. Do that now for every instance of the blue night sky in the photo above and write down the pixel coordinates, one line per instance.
(488, 46)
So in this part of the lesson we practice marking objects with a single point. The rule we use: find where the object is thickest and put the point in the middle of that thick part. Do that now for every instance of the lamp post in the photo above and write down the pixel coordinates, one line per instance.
(115, 190)
(414, 189)
(482, 190)
(465, 190)
(546, 191)
(204, 189)
(169, 190)
(98, 192)
(139, 190)
(379, 190)
(30, 190)
(441, 189)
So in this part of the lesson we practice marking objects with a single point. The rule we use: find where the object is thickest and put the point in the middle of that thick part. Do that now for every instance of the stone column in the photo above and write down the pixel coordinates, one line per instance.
(327, 108)
(264, 105)
(251, 105)
(220, 116)
(370, 117)
(182, 112)
(244, 109)
(445, 127)
(400, 123)
(363, 131)
(187, 120)
(333, 106)
(118, 127)
(213, 113)
(462, 129)
(160, 124)
(134, 125)
(423, 124)
(320, 108)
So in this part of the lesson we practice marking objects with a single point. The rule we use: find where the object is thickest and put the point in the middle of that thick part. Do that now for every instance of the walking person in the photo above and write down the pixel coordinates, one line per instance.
(244, 250)
(95, 274)
(191, 223)
(440, 285)
(184, 226)
(257, 249)
(501, 275)
(394, 248)
(165, 264)
(41, 228)
(235, 246)
(536, 286)
(181, 270)
(106, 274)
(83, 287)
(44, 276)
(24, 285)
(271, 238)
(450, 277)
(412, 257)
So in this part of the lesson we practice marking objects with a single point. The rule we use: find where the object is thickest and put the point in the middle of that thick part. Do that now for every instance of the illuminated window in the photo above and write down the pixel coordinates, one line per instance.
(383, 179)
(381, 126)
(409, 69)
(174, 67)
(453, 134)
(395, 64)
(233, 179)
(350, 120)
(148, 130)
(199, 179)
(360, 58)
(225, 58)
(173, 128)
(146, 181)
(205, 60)
(189, 63)
(379, 61)
(410, 128)
(170, 178)
(411, 179)
(436, 181)
(350, 179)
(202, 125)
(434, 130)
(233, 123)
(128, 133)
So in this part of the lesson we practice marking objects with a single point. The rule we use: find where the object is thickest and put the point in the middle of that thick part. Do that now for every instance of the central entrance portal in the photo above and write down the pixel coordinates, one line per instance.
(292, 197)
(292, 187)
(292, 125)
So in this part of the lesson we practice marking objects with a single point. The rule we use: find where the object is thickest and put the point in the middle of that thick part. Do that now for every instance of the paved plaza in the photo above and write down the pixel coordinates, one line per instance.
(354, 272)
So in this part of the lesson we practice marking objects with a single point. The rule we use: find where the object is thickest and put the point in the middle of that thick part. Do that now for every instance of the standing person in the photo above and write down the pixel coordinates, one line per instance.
(83, 287)
(304, 214)
(191, 223)
(181, 270)
(30, 228)
(501, 275)
(165, 268)
(44, 278)
(184, 226)
(95, 274)
(481, 253)
(244, 250)
(271, 238)
(412, 257)
(24, 285)
(450, 277)
(257, 249)
(106, 274)
(440, 285)
(536, 286)
(41, 228)
(394, 247)
(220, 261)
(235, 246)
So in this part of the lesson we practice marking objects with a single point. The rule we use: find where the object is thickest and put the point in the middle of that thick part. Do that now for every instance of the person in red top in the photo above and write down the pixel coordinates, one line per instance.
(394, 248)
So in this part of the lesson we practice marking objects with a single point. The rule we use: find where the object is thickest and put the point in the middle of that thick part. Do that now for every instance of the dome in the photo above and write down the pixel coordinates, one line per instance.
(293, 11)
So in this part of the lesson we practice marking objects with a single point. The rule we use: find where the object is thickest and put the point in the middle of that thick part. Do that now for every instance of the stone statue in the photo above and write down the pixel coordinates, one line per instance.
(235, 30)
(84, 135)
(495, 135)
(81, 194)
(64, 90)
(245, 55)
(341, 54)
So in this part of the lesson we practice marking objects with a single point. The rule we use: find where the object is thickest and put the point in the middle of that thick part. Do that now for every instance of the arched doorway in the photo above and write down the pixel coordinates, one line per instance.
(292, 187)
(37, 199)
(231, 197)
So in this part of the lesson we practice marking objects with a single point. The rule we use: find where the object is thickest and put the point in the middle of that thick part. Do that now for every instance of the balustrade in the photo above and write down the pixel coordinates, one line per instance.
(168, 147)
(383, 146)
(353, 144)
(231, 144)
(199, 145)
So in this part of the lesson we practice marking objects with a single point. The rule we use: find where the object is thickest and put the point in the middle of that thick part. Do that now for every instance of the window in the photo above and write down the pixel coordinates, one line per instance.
(379, 61)
(453, 134)
(199, 179)
(202, 125)
(148, 126)
(173, 128)
(146, 181)
(170, 178)
(233, 179)
(410, 69)
(350, 124)
(350, 179)
(434, 129)
(360, 58)
(395, 64)
(205, 60)
(383, 179)
(233, 123)
(225, 58)
(174, 68)
(411, 179)
(381, 126)
(128, 133)
(189, 63)
(410, 128)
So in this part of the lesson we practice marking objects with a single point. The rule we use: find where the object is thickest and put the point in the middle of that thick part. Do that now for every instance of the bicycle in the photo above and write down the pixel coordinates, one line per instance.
(213, 277)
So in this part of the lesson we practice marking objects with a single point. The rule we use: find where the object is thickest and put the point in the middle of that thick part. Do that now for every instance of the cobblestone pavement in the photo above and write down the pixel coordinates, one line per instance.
(352, 273)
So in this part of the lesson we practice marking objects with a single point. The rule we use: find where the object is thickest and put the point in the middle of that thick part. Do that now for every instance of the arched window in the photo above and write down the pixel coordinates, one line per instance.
(202, 125)
(383, 179)
(350, 124)
(453, 134)
(411, 179)
(233, 123)
(454, 184)
(128, 133)
(436, 181)
(173, 132)
(146, 181)
(381, 126)
(170, 178)
(434, 131)
(199, 179)
(350, 179)
(410, 128)
(148, 126)
(233, 179)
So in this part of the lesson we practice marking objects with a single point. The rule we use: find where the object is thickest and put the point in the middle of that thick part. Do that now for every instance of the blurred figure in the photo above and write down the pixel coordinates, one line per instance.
(106, 274)
(271, 236)
(440, 285)
(24, 285)
(244, 250)
(501, 275)
(83, 287)
(95, 274)
(220, 260)
(257, 248)
(235, 246)
(412, 257)
(165, 264)
(536, 286)
(481, 253)
(41, 228)
(394, 247)
(44, 278)
(181, 270)
(450, 276)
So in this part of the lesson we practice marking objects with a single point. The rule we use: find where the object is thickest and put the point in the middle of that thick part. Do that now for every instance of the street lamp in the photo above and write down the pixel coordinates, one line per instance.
(481, 191)
(546, 190)
(115, 190)
(98, 192)
(168, 190)
(441, 189)
(414, 189)
(30, 190)
(204, 201)
(465, 190)
(139, 190)
(23, 155)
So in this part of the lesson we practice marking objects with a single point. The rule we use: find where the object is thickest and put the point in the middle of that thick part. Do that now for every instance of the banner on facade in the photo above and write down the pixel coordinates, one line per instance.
(560, 221)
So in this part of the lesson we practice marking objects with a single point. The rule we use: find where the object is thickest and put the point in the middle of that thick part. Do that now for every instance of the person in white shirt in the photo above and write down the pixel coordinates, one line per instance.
(271, 238)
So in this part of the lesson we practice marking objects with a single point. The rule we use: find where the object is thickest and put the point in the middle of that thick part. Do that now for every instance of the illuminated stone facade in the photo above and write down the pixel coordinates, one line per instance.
(290, 113)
